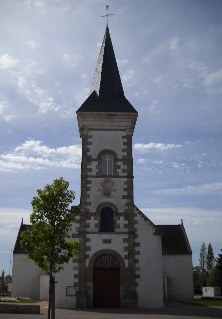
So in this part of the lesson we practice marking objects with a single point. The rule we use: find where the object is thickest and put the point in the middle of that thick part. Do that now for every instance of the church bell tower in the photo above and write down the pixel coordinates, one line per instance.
(106, 264)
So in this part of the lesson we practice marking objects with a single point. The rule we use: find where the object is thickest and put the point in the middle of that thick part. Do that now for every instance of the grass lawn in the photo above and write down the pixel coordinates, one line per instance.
(206, 303)
(17, 299)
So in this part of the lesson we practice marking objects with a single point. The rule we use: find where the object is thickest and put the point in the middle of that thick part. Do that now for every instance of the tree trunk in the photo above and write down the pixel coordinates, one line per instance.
(50, 298)
(53, 297)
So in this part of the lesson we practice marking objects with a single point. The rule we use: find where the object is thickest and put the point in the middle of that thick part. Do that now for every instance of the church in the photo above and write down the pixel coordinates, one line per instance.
(126, 261)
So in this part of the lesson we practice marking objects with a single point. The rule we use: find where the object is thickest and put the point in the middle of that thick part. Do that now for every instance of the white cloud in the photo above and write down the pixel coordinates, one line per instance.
(84, 76)
(201, 189)
(213, 78)
(32, 44)
(159, 78)
(123, 61)
(2, 106)
(66, 56)
(9, 118)
(141, 161)
(174, 215)
(158, 147)
(35, 3)
(72, 59)
(10, 219)
(153, 107)
(128, 77)
(37, 95)
(210, 81)
(174, 44)
(33, 155)
(8, 62)
(188, 84)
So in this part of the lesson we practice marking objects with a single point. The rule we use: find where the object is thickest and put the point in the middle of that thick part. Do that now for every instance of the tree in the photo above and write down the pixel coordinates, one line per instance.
(48, 244)
(203, 263)
(196, 280)
(215, 278)
(219, 269)
(210, 259)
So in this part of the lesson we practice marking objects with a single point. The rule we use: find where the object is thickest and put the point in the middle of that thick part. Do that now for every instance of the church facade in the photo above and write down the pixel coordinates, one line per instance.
(125, 260)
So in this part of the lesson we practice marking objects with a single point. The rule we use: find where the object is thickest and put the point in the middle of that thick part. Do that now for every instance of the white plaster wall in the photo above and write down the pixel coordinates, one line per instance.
(211, 291)
(65, 278)
(25, 277)
(96, 196)
(122, 223)
(178, 269)
(26, 282)
(107, 140)
(44, 287)
(150, 283)
(96, 243)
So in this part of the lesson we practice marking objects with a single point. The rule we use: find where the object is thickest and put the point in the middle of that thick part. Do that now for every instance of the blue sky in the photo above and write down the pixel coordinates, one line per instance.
(169, 57)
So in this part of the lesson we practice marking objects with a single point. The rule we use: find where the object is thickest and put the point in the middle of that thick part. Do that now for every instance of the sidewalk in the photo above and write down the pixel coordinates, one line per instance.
(171, 311)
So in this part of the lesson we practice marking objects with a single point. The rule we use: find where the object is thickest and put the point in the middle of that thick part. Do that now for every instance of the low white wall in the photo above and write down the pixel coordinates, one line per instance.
(28, 282)
(211, 291)
(44, 287)
(25, 277)
(178, 269)
(64, 279)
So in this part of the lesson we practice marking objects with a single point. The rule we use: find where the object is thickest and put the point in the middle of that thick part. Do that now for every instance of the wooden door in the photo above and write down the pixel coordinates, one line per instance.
(106, 288)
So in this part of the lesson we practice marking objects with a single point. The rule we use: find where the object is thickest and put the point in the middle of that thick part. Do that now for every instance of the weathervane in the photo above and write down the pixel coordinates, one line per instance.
(107, 14)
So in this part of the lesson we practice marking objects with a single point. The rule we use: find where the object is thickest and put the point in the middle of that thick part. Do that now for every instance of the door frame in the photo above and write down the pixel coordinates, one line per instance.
(106, 288)
(123, 276)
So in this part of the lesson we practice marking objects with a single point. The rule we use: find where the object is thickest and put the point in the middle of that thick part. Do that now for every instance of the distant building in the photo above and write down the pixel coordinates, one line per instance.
(126, 260)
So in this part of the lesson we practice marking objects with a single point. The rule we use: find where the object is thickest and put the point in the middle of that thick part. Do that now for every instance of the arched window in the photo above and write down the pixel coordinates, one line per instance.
(106, 220)
(107, 165)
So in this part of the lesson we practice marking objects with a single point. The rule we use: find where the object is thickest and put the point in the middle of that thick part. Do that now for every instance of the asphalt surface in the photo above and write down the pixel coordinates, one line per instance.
(171, 311)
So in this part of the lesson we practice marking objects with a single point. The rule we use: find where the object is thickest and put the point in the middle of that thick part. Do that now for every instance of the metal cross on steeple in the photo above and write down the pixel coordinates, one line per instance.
(107, 14)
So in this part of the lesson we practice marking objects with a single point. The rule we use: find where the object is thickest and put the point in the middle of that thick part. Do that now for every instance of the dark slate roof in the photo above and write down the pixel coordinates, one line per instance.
(18, 249)
(106, 94)
(174, 240)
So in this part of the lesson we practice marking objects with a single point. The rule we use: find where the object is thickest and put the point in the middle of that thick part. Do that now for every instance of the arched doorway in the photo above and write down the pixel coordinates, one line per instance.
(106, 282)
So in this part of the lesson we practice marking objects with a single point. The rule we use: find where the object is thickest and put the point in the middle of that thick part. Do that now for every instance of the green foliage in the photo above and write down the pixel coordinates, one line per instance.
(219, 262)
(48, 243)
(199, 301)
(196, 280)
(210, 259)
(215, 278)
(203, 256)
(218, 269)
(203, 264)
(209, 273)
(17, 299)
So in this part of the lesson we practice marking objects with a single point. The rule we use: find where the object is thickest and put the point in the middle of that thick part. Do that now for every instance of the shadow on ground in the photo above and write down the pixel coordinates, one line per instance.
(170, 309)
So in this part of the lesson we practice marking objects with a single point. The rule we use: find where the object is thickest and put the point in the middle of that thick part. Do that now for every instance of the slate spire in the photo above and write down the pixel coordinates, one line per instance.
(106, 93)
(106, 80)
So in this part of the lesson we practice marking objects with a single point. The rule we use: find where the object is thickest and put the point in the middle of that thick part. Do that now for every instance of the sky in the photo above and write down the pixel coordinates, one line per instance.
(169, 58)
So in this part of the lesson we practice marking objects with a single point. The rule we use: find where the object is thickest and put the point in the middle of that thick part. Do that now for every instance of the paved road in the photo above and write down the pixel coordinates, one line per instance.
(171, 311)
